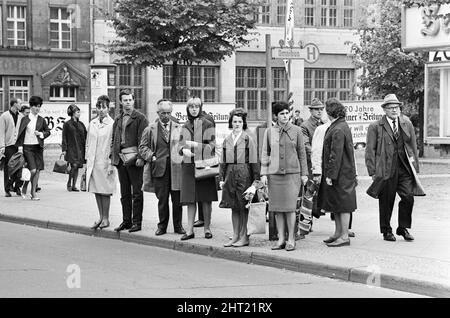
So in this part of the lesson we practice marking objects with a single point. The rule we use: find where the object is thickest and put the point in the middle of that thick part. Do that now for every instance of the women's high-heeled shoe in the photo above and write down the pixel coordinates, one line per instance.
(240, 244)
(290, 247)
(96, 225)
(104, 225)
(331, 239)
(279, 247)
(187, 237)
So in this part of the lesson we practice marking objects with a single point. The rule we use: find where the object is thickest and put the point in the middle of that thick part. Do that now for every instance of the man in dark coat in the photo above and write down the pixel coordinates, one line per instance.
(391, 147)
(127, 132)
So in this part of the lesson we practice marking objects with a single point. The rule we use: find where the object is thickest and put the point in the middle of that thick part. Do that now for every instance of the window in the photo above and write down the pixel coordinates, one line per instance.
(200, 81)
(251, 91)
(63, 93)
(60, 29)
(130, 77)
(348, 13)
(16, 23)
(328, 13)
(262, 16)
(19, 88)
(309, 12)
(324, 84)
(279, 84)
(281, 12)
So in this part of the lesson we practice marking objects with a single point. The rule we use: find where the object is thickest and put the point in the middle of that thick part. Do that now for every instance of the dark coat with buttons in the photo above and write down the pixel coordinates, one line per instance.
(74, 141)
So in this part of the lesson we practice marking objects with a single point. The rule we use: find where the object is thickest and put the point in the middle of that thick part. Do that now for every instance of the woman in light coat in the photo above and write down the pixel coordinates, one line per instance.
(100, 173)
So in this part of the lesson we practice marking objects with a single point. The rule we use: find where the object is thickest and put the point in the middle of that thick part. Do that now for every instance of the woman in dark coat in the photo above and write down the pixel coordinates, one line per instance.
(73, 145)
(337, 192)
(197, 142)
(238, 169)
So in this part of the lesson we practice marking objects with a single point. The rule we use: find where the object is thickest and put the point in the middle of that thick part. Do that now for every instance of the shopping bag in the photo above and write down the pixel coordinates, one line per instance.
(257, 218)
(306, 207)
(83, 182)
(60, 166)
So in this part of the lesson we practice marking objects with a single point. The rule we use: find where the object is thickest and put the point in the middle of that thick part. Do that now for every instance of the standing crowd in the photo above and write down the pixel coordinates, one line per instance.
(183, 162)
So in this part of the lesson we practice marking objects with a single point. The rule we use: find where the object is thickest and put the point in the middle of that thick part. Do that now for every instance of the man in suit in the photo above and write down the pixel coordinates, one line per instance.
(127, 133)
(9, 126)
(391, 146)
(159, 147)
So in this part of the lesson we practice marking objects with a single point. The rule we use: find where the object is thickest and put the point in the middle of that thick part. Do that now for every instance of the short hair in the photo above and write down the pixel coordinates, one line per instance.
(335, 108)
(125, 92)
(72, 109)
(163, 100)
(279, 106)
(195, 100)
(13, 101)
(104, 98)
(23, 108)
(240, 112)
(35, 101)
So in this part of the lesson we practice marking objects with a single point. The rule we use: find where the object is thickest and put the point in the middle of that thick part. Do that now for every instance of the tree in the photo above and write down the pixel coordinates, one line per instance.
(389, 68)
(155, 32)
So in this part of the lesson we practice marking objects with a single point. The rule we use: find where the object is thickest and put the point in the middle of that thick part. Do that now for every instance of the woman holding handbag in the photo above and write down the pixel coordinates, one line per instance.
(284, 168)
(100, 173)
(197, 143)
(73, 145)
(238, 169)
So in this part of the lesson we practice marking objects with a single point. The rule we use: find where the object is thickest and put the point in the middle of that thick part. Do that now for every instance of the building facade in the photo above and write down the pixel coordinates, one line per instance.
(241, 78)
(45, 50)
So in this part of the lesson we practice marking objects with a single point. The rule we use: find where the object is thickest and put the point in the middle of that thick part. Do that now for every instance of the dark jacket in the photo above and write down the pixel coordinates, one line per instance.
(380, 150)
(133, 134)
(338, 164)
(74, 135)
(41, 126)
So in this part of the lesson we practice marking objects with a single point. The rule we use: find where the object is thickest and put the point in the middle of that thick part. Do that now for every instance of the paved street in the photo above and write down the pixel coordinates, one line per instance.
(35, 262)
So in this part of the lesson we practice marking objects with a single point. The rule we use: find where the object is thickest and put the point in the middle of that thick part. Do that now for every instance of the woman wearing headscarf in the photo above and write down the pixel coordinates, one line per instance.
(197, 142)
(337, 192)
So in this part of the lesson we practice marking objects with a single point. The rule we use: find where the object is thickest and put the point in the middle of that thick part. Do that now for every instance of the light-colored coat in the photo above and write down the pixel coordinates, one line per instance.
(147, 148)
(100, 137)
(9, 132)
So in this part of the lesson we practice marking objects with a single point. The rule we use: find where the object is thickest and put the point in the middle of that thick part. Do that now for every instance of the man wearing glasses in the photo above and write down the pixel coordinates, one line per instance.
(392, 162)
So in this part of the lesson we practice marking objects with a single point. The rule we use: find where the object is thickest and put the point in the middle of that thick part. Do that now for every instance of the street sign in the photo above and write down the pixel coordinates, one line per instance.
(310, 53)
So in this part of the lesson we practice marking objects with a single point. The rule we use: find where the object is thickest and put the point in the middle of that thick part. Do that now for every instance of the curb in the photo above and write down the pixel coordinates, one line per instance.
(359, 275)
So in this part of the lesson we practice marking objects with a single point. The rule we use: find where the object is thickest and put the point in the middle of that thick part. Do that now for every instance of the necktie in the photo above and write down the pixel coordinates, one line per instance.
(166, 132)
(394, 126)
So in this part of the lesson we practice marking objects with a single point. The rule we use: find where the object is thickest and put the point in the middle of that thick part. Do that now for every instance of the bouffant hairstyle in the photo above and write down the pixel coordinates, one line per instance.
(24, 107)
(103, 99)
(335, 108)
(240, 112)
(72, 109)
(279, 106)
(35, 101)
(194, 101)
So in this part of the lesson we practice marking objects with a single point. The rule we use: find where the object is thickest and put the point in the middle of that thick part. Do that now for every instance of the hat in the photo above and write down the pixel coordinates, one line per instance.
(390, 99)
(316, 103)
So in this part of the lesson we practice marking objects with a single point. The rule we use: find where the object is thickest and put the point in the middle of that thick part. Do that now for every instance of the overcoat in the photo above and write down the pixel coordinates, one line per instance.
(380, 153)
(147, 148)
(201, 131)
(74, 141)
(338, 164)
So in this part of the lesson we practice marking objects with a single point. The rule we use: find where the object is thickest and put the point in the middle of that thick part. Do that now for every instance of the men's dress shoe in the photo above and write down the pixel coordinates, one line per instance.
(180, 231)
(389, 237)
(38, 189)
(290, 247)
(187, 237)
(8, 194)
(330, 240)
(18, 192)
(339, 242)
(123, 226)
(405, 234)
(69, 188)
(279, 247)
(160, 232)
(135, 228)
(199, 223)
(208, 235)
(75, 189)
(351, 234)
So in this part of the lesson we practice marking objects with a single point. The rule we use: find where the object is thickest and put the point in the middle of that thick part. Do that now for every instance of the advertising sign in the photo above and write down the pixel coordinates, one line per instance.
(360, 114)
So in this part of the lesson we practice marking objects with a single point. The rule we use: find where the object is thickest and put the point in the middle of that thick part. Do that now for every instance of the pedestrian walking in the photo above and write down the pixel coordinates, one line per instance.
(74, 145)
(284, 169)
(197, 142)
(30, 141)
(9, 126)
(239, 168)
(162, 172)
(337, 192)
(101, 175)
(127, 134)
(392, 162)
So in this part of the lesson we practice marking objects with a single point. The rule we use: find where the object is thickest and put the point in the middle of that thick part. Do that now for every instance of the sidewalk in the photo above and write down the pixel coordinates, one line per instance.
(422, 266)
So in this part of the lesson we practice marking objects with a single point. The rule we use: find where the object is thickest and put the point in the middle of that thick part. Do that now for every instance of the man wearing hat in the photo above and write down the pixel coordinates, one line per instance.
(391, 157)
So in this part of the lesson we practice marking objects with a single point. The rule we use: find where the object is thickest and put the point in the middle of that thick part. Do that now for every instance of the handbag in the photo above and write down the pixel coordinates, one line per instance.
(206, 168)
(83, 182)
(129, 155)
(306, 207)
(60, 166)
(257, 218)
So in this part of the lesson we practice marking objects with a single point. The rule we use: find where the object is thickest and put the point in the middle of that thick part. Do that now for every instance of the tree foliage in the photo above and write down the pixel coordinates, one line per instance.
(155, 32)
